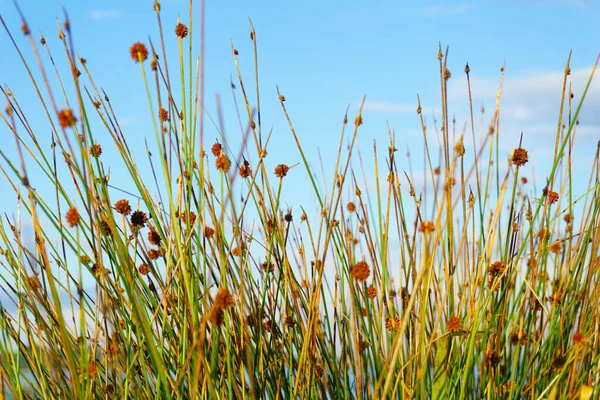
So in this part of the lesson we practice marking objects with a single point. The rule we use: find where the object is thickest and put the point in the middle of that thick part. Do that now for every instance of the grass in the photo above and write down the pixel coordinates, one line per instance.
(177, 289)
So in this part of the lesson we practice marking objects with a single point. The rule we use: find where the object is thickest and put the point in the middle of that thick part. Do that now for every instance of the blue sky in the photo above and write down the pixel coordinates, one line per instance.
(326, 56)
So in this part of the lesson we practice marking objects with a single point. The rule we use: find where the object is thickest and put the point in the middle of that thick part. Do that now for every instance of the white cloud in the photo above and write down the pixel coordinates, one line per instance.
(125, 122)
(105, 14)
(444, 10)
(534, 96)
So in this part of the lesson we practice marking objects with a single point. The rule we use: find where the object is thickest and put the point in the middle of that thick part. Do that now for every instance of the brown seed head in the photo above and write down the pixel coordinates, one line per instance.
(95, 150)
(34, 282)
(216, 149)
(66, 118)
(351, 206)
(519, 157)
(192, 216)
(181, 30)
(25, 28)
(447, 74)
(360, 271)
(426, 227)
(223, 163)
(138, 52)
(358, 121)
(208, 232)
(555, 247)
(122, 207)
(154, 237)
(139, 219)
(454, 324)
(72, 217)
(144, 269)
(552, 196)
(245, 170)
(459, 148)
(579, 339)
(392, 324)
(154, 254)
(281, 170)
(496, 269)
(163, 114)
(372, 292)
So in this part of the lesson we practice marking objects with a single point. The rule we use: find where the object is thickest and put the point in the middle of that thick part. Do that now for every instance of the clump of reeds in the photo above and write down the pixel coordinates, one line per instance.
(194, 293)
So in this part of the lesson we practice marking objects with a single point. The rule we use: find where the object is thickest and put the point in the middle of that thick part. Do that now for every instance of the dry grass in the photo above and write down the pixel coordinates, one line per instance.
(493, 291)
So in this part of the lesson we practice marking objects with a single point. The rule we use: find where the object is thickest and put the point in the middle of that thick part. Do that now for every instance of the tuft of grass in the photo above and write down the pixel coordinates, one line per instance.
(197, 282)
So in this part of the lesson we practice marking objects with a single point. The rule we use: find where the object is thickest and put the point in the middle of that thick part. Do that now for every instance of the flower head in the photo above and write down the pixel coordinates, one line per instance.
(360, 271)
(138, 52)
(123, 207)
(223, 163)
(281, 170)
(95, 150)
(181, 30)
(519, 157)
(139, 219)
(72, 217)
(154, 237)
(245, 170)
(66, 118)
(454, 324)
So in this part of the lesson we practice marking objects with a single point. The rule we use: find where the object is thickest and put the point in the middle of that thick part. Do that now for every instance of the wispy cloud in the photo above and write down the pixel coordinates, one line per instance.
(125, 122)
(106, 14)
(445, 10)
(534, 95)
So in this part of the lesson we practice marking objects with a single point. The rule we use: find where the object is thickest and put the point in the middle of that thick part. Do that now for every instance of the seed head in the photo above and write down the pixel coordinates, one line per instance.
(138, 52)
(139, 219)
(281, 170)
(34, 282)
(496, 269)
(123, 207)
(66, 118)
(552, 196)
(459, 148)
(72, 217)
(392, 324)
(95, 150)
(555, 247)
(426, 227)
(454, 324)
(245, 170)
(372, 292)
(208, 232)
(163, 114)
(25, 29)
(216, 149)
(351, 206)
(360, 271)
(579, 339)
(181, 30)
(223, 163)
(154, 237)
(154, 254)
(358, 121)
(519, 157)
(144, 269)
